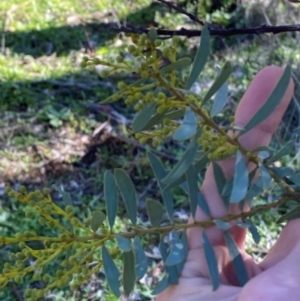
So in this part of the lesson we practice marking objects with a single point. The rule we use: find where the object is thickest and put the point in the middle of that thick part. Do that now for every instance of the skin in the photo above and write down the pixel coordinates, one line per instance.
(277, 277)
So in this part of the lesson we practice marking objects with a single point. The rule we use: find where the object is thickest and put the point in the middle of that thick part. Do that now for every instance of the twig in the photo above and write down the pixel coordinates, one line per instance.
(182, 11)
(5, 24)
(17, 293)
(213, 31)
(88, 40)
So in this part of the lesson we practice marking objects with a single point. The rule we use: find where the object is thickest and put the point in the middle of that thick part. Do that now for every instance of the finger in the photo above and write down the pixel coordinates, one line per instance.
(289, 238)
(258, 92)
(280, 281)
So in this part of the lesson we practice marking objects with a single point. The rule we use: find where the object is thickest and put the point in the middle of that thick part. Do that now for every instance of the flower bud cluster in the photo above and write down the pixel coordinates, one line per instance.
(215, 144)
(74, 253)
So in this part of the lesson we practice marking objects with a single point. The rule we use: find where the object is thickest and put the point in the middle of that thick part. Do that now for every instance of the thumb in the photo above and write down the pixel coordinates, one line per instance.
(280, 282)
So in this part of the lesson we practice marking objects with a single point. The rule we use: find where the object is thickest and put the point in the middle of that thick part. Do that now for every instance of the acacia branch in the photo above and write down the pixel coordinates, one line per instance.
(263, 29)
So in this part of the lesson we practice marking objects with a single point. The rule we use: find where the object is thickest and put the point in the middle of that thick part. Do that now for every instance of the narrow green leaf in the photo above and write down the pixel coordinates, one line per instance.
(155, 119)
(176, 114)
(283, 172)
(263, 154)
(158, 118)
(141, 263)
(222, 225)
(160, 173)
(211, 261)
(294, 213)
(178, 65)
(266, 178)
(297, 131)
(203, 204)
(128, 272)
(123, 243)
(128, 193)
(237, 260)
(266, 151)
(183, 164)
(188, 127)
(180, 266)
(184, 187)
(272, 102)
(143, 117)
(227, 189)
(155, 211)
(66, 197)
(220, 100)
(111, 197)
(254, 232)
(219, 82)
(98, 218)
(241, 179)
(286, 149)
(192, 183)
(172, 272)
(161, 286)
(201, 163)
(255, 189)
(220, 180)
(111, 272)
(176, 183)
(177, 251)
(200, 59)
(243, 224)
(252, 174)
(152, 34)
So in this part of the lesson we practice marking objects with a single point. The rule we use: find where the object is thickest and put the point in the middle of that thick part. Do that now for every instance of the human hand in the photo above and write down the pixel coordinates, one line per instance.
(278, 276)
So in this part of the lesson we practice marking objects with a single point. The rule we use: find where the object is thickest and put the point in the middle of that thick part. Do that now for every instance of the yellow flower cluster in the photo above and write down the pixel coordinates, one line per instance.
(75, 253)
(215, 144)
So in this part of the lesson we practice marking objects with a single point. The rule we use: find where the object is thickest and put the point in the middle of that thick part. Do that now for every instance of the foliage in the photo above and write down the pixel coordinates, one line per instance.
(162, 97)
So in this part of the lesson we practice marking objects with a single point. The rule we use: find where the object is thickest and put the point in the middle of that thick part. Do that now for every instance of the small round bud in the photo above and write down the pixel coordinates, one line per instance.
(17, 278)
(155, 143)
(46, 278)
(137, 107)
(161, 109)
(83, 65)
(161, 95)
(143, 37)
(69, 209)
(22, 189)
(46, 191)
(19, 235)
(96, 61)
(119, 59)
(104, 73)
(121, 85)
(22, 245)
(166, 51)
(175, 40)
(131, 48)
(8, 189)
(158, 43)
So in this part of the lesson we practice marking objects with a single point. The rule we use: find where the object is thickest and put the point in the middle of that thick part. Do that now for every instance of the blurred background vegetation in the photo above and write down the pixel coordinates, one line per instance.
(54, 133)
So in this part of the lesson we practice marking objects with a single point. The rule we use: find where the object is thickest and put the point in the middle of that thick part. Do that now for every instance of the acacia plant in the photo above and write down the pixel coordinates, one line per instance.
(166, 108)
